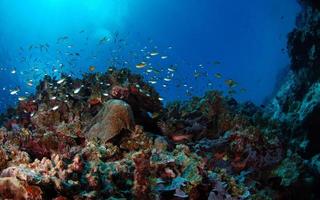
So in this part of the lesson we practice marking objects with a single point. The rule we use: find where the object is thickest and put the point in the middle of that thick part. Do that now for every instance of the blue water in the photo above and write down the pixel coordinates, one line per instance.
(243, 40)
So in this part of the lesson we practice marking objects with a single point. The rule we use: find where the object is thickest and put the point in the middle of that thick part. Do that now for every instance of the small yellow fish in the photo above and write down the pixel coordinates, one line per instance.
(231, 83)
(25, 132)
(141, 65)
(155, 115)
(92, 68)
(218, 75)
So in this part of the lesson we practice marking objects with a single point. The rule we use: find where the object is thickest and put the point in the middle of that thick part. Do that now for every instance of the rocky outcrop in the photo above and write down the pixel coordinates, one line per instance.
(115, 116)
(297, 103)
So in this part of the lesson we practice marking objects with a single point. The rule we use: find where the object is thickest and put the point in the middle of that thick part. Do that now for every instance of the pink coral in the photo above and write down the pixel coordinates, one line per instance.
(120, 92)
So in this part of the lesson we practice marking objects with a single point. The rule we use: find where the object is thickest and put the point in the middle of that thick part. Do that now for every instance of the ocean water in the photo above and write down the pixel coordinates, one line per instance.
(200, 44)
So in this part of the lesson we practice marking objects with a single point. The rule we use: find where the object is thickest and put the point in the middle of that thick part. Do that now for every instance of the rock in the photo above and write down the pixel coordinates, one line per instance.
(297, 103)
(115, 116)
(12, 188)
(315, 164)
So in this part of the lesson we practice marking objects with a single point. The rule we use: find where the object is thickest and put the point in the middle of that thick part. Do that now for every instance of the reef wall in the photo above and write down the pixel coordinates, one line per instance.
(297, 103)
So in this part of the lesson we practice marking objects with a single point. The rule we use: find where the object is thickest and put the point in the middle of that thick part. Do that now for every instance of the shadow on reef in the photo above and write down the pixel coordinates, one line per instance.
(107, 136)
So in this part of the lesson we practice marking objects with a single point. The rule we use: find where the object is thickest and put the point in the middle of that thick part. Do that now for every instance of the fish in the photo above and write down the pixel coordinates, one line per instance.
(180, 138)
(152, 82)
(62, 39)
(22, 98)
(92, 68)
(77, 90)
(164, 57)
(216, 62)
(15, 91)
(13, 71)
(171, 69)
(95, 101)
(218, 75)
(156, 71)
(155, 115)
(231, 83)
(103, 40)
(61, 81)
(55, 108)
(154, 53)
(242, 90)
(141, 65)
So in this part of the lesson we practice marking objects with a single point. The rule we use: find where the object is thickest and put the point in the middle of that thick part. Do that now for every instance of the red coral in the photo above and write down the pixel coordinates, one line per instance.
(35, 148)
(141, 186)
(28, 106)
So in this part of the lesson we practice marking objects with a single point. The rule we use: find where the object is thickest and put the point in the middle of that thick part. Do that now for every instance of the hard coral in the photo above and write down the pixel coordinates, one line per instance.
(115, 116)
(142, 186)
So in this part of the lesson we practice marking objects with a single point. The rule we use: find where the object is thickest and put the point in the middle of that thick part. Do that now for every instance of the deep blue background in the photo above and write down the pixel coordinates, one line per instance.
(248, 38)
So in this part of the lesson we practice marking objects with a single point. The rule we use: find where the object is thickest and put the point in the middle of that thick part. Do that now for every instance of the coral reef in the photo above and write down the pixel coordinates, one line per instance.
(107, 136)
(81, 150)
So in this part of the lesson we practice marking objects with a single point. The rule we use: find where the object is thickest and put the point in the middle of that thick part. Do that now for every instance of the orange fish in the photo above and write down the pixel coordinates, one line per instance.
(95, 101)
(180, 138)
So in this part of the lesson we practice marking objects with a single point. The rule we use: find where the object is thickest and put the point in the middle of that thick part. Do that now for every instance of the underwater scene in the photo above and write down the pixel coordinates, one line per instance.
(160, 99)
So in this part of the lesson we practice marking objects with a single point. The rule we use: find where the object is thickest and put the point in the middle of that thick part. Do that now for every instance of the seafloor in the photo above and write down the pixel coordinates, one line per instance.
(117, 141)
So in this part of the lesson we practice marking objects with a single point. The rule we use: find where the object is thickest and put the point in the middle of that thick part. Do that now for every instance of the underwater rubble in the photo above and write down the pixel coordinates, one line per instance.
(108, 136)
